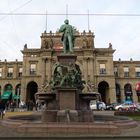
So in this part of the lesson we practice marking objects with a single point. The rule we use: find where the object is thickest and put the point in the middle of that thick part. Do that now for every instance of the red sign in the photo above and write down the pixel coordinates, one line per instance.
(137, 87)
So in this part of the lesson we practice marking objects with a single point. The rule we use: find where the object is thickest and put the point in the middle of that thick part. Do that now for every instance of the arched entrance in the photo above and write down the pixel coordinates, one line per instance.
(18, 89)
(128, 92)
(31, 90)
(103, 90)
(7, 92)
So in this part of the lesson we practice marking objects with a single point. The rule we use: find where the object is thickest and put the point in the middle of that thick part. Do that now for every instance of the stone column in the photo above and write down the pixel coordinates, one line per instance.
(85, 69)
(122, 95)
(43, 70)
(95, 73)
(90, 69)
(48, 69)
(23, 90)
(135, 97)
(4, 71)
(112, 94)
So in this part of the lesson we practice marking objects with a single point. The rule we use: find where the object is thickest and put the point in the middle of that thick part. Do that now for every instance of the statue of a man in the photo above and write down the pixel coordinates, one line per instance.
(67, 37)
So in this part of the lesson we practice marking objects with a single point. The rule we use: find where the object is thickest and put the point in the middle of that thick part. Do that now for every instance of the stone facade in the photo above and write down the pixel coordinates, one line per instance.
(110, 78)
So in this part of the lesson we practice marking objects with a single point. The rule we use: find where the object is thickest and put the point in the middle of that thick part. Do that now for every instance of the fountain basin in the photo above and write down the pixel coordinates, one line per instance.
(46, 96)
(103, 125)
(89, 96)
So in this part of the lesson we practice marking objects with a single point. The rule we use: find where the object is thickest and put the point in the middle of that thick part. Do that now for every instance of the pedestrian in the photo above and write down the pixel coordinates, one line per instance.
(2, 108)
(22, 105)
(98, 104)
(12, 106)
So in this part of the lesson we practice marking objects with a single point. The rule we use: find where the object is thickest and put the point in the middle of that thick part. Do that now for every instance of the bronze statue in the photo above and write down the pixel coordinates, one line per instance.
(67, 37)
(67, 76)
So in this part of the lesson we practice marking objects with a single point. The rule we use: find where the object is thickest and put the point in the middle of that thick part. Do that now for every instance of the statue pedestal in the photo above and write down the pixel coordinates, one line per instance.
(65, 59)
(66, 98)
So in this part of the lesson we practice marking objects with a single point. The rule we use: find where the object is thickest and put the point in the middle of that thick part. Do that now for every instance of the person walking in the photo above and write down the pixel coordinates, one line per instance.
(2, 108)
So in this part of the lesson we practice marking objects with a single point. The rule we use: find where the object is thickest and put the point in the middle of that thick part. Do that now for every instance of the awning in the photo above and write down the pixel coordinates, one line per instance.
(6, 95)
(16, 96)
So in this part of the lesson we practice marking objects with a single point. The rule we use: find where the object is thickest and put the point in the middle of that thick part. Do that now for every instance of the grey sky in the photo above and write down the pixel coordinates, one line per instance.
(122, 31)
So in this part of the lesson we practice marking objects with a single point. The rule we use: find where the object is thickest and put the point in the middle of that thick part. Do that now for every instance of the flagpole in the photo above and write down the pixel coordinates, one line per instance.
(46, 22)
(88, 21)
(66, 11)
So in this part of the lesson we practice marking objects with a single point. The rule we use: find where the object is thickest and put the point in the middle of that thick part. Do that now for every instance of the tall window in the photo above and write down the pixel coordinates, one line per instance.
(0, 72)
(10, 72)
(102, 69)
(116, 71)
(20, 72)
(137, 71)
(126, 71)
(33, 69)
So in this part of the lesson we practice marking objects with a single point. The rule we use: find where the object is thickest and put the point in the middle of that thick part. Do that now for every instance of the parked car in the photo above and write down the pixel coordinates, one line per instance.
(126, 106)
(137, 106)
(112, 106)
(98, 106)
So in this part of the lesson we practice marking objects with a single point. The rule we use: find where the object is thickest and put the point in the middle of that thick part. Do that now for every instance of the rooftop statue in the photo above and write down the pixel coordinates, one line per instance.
(67, 37)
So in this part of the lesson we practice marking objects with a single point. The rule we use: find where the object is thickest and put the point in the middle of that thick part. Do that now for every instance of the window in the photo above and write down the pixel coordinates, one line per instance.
(126, 71)
(137, 70)
(0, 72)
(33, 69)
(116, 71)
(33, 55)
(10, 72)
(102, 69)
(20, 72)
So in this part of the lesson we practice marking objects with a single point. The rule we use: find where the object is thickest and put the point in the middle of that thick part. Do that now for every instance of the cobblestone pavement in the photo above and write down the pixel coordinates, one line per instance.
(10, 132)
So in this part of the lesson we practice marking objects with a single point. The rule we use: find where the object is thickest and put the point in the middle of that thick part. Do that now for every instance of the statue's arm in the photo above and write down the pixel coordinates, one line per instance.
(62, 28)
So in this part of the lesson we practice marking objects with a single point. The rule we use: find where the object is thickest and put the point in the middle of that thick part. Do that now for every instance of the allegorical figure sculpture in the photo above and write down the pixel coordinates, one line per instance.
(67, 76)
(67, 37)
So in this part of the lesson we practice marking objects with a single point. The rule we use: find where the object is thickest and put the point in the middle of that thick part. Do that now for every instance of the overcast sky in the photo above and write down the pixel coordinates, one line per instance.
(122, 31)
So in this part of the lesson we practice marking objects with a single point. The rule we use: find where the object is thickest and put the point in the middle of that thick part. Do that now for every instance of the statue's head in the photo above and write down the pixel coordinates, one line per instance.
(66, 21)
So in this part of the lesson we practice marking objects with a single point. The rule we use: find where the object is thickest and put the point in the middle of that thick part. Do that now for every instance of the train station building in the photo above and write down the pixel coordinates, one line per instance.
(116, 81)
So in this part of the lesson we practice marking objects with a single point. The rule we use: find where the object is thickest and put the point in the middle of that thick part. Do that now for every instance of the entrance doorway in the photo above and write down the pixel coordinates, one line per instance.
(128, 92)
(103, 88)
(31, 90)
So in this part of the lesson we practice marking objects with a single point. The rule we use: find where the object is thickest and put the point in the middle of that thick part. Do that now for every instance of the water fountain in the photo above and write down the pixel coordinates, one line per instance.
(67, 106)
(65, 100)
(67, 110)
